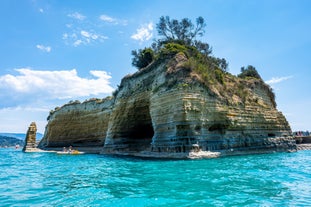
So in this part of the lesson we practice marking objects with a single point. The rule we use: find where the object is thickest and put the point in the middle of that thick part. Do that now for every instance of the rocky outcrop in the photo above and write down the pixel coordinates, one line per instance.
(76, 124)
(166, 110)
(30, 139)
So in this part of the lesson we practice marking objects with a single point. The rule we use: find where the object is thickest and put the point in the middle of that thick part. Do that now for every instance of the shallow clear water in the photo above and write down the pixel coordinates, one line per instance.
(47, 179)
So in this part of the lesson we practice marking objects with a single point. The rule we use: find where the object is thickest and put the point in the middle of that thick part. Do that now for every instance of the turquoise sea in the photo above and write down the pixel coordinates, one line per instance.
(47, 179)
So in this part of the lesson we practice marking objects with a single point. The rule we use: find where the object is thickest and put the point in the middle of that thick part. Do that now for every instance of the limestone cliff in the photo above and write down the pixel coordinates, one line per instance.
(30, 139)
(79, 125)
(168, 110)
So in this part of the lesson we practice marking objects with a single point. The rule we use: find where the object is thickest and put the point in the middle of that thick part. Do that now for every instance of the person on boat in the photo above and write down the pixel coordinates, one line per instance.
(70, 149)
(64, 149)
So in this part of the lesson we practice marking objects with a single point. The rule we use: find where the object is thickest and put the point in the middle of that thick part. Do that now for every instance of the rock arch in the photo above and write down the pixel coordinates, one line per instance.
(130, 128)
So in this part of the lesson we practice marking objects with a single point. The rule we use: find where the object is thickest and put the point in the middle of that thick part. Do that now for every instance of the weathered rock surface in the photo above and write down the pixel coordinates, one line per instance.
(82, 125)
(165, 110)
(30, 139)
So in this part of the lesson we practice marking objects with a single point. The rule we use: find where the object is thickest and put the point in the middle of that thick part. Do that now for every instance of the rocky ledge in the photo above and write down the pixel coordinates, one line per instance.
(167, 110)
(303, 146)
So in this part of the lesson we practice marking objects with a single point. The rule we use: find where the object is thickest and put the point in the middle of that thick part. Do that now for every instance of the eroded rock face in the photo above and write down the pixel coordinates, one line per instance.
(30, 139)
(78, 125)
(165, 111)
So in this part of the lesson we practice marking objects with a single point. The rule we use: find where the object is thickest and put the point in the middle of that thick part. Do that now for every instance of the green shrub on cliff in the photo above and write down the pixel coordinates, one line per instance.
(181, 37)
(249, 72)
(142, 58)
(171, 49)
(178, 36)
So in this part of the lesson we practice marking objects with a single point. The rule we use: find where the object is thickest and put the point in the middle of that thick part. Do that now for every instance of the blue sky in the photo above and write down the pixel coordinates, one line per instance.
(54, 51)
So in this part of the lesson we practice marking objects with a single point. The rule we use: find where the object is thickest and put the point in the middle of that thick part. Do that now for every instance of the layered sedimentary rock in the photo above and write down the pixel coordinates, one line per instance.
(30, 139)
(165, 110)
(78, 124)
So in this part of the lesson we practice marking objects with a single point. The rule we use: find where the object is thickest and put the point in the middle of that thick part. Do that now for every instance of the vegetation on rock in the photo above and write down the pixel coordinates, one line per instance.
(182, 100)
(178, 36)
(250, 72)
(142, 58)
(181, 37)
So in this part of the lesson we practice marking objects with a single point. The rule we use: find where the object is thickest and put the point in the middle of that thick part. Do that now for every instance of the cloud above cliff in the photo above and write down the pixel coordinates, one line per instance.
(26, 93)
(44, 48)
(112, 20)
(82, 31)
(61, 84)
(83, 37)
(76, 15)
(275, 80)
(143, 33)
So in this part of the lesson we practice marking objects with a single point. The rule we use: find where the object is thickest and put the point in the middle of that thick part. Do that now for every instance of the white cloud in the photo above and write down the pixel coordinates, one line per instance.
(77, 15)
(85, 34)
(143, 33)
(44, 48)
(65, 36)
(41, 10)
(275, 80)
(30, 94)
(80, 33)
(89, 35)
(77, 43)
(108, 19)
(54, 84)
(83, 37)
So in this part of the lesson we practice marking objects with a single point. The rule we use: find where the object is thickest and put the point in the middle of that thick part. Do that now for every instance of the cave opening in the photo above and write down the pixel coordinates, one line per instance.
(219, 128)
(140, 132)
(134, 130)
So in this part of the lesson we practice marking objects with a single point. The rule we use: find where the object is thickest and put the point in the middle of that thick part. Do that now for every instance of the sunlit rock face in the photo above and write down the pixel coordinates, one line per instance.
(30, 139)
(165, 110)
(78, 124)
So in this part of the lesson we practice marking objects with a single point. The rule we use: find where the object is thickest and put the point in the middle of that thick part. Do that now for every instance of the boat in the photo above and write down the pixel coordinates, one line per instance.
(73, 152)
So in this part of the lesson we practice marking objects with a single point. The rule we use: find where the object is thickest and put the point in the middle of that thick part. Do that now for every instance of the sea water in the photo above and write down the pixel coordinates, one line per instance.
(48, 179)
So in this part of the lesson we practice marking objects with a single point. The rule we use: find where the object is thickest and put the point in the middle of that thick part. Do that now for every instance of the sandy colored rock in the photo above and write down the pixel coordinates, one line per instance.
(30, 139)
(165, 110)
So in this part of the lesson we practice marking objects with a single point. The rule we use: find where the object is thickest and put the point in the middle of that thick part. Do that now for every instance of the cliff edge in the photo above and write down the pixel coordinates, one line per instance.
(168, 110)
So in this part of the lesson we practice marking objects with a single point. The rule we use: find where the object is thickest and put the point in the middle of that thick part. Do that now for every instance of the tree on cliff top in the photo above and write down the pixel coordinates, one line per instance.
(181, 37)
(184, 31)
(249, 71)
(176, 34)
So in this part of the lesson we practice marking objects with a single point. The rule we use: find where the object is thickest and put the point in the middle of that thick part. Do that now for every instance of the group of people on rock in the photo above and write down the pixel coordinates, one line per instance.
(301, 133)
(69, 149)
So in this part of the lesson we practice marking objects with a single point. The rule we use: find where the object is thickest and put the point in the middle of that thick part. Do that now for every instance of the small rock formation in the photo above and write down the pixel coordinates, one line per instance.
(30, 140)
(165, 110)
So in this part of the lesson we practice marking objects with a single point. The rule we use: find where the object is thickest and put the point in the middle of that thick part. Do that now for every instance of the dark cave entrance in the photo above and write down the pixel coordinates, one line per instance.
(137, 129)
(142, 131)
(218, 128)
